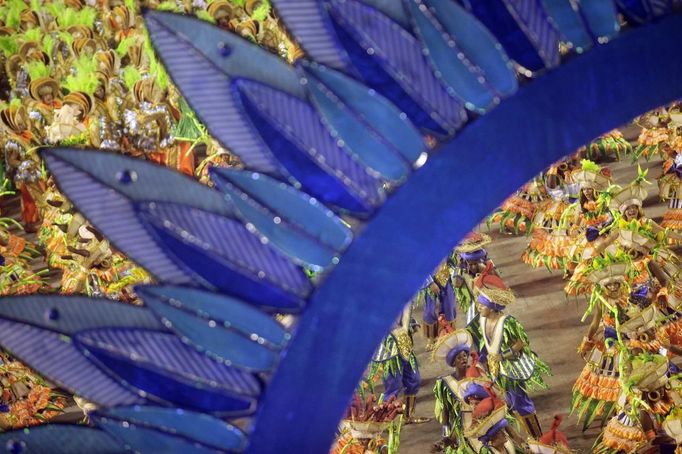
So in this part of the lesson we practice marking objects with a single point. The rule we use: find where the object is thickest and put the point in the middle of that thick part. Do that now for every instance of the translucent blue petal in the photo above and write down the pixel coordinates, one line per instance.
(358, 137)
(160, 366)
(221, 326)
(523, 28)
(222, 253)
(60, 439)
(569, 23)
(386, 119)
(291, 205)
(69, 314)
(294, 130)
(308, 21)
(198, 427)
(456, 73)
(294, 242)
(601, 15)
(380, 47)
(393, 9)
(54, 356)
(477, 44)
(203, 60)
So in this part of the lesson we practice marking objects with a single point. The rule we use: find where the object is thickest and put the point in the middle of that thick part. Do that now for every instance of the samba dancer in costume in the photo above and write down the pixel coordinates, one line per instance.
(439, 304)
(506, 350)
(396, 357)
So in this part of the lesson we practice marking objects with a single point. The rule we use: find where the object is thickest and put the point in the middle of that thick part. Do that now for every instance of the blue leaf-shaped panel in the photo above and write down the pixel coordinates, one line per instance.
(198, 427)
(601, 16)
(203, 60)
(149, 441)
(395, 10)
(54, 356)
(383, 116)
(225, 327)
(308, 22)
(289, 238)
(160, 365)
(285, 121)
(60, 439)
(570, 24)
(223, 253)
(641, 11)
(112, 212)
(476, 43)
(523, 28)
(358, 137)
(450, 65)
(377, 44)
(291, 205)
(70, 314)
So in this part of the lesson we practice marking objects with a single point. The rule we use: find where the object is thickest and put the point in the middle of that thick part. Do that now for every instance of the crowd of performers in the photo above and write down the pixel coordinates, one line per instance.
(83, 73)
(612, 256)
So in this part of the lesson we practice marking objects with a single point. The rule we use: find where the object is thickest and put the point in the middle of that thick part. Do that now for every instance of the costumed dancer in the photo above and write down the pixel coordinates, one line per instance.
(670, 186)
(506, 350)
(470, 259)
(549, 242)
(439, 304)
(399, 363)
(490, 428)
(586, 220)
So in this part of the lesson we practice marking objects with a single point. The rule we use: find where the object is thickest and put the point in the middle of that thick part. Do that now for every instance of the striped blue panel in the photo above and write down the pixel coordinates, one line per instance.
(160, 366)
(243, 337)
(69, 314)
(569, 23)
(308, 22)
(523, 28)
(400, 54)
(532, 17)
(477, 44)
(377, 111)
(293, 241)
(199, 427)
(229, 240)
(641, 11)
(169, 354)
(293, 206)
(112, 214)
(300, 124)
(54, 356)
(60, 439)
(358, 137)
(602, 17)
(204, 76)
(150, 181)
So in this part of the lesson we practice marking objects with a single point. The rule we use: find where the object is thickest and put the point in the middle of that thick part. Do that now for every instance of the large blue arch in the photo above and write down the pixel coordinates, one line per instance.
(469, 176)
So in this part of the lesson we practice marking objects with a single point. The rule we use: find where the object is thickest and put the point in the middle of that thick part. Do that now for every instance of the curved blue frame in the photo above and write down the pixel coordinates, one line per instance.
(547, 119)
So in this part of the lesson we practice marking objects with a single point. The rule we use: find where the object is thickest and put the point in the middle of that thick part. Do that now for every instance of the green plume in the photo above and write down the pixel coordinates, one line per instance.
(83, 77)
(590, 166)
(34, 34)
(86, 16)
(261, 12)
(37, 69)
(203, 15)
(131, 75)
(66, 17)
(15, 102)
(168, 5)
(66, 37)
(13, 9)
(48, 44)
(8, 44)
(124, 46)
(132, 5)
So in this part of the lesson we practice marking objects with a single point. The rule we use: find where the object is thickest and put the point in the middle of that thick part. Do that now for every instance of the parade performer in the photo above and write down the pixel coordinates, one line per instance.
(506, 350)
(439, 304)
(490, 428)
(395, 356)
